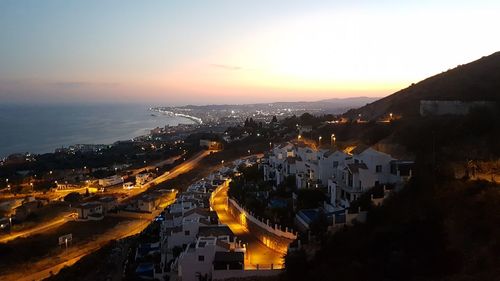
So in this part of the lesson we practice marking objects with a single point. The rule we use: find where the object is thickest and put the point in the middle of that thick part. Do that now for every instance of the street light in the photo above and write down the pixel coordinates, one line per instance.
(333, 139)
(319, 140)
(299, 137)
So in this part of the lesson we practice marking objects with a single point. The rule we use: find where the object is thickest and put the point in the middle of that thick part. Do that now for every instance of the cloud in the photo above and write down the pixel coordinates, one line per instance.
(227, 67)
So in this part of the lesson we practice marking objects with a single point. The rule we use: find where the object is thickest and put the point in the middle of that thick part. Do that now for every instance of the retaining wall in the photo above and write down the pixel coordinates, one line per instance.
(272, 237)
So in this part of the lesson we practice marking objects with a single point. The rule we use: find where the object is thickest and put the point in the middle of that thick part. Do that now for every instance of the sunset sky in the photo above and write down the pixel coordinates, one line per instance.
(177, 52)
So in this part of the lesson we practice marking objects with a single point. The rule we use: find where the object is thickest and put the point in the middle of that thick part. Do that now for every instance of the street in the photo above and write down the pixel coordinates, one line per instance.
(182, 168)
(257, 253)
(51, 265)
(45, 226)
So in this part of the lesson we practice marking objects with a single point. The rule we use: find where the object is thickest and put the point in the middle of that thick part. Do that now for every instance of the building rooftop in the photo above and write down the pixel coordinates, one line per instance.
(308, 215)
(215, 231)
(229, 257)
(354, 167)
(90, 205)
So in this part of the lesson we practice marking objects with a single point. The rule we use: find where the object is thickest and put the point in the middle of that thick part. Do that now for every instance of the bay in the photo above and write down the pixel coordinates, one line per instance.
(43, 128)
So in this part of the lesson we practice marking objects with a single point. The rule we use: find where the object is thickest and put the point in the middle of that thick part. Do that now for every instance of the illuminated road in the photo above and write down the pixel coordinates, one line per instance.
(44, 227)
(257, 252)
(50, 265)
(156, 165)
(53, 264)
(180, 169)
(43, 269)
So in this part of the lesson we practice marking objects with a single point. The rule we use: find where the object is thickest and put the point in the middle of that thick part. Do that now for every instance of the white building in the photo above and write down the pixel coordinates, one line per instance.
(90, 211)
(109, 181)
(199, 258)
(368, 168)
(346, 176)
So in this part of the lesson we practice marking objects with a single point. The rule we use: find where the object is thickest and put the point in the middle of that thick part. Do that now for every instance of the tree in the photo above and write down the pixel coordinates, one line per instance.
(309, 198)
(73, 197)
(296, 265)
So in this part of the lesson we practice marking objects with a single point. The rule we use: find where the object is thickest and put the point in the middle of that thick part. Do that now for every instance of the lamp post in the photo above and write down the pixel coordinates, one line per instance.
(319, 141)
(299, 137)
(332, 139)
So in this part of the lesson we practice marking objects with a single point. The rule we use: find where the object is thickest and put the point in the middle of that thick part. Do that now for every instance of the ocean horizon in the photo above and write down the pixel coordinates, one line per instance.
(44, 128)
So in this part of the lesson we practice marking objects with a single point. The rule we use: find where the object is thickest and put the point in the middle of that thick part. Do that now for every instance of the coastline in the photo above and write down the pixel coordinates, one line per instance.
(198, 120)
(51, 128)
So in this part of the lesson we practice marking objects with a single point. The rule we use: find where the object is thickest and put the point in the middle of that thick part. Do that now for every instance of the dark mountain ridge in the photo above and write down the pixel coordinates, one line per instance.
(478, 80)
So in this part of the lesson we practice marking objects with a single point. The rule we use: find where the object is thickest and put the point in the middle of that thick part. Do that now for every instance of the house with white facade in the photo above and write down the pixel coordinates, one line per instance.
(199, 259)
(365, 169)
(329, 163)
(346, 175)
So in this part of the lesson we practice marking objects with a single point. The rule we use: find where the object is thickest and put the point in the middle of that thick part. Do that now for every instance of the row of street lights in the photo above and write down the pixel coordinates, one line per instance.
(333, 139)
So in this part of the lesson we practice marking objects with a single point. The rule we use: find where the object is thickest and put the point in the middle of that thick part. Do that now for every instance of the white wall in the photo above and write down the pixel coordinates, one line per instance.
(189, 265)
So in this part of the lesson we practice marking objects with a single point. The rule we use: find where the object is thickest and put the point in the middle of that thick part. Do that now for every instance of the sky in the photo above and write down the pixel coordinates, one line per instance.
(215, 51)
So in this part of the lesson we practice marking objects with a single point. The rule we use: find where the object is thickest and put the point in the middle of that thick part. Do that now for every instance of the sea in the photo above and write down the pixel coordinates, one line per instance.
(43, 128)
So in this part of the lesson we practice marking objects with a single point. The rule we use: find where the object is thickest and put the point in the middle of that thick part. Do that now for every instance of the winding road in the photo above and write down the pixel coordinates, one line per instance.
(53, 264)
(258, 254)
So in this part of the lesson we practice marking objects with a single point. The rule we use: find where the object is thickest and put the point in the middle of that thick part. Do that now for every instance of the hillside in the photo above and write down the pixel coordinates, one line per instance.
(478, 80)
(334, 105)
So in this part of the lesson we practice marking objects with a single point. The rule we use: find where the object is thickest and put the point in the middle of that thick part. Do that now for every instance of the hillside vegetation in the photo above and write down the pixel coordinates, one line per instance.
(438, 227)
(478, 80)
